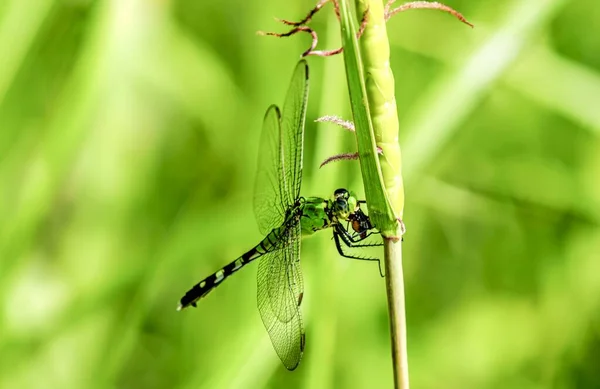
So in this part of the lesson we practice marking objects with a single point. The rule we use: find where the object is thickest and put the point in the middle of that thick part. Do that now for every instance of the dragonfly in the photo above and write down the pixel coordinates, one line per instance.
(284, 217)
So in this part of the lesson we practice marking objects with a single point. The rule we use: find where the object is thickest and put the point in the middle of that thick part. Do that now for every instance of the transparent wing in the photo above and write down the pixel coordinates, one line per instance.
(280, 154)
(294, 114)
(280, 291)
(269, 203)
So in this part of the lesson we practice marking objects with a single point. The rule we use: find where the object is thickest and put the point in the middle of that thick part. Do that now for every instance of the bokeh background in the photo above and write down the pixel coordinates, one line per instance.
(128, 138)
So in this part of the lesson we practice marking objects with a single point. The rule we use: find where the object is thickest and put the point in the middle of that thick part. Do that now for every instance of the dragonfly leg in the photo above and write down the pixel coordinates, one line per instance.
(359, 234)
(400, 222)
(339, 233)
(355, 240)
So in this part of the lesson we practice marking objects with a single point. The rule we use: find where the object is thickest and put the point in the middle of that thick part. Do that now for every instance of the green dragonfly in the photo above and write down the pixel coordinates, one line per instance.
(284, 217)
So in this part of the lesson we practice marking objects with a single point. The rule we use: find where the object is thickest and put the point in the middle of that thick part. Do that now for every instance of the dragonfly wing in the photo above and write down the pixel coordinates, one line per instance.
(280, 291)
(294, 114)
(280, 154)
(269, 203)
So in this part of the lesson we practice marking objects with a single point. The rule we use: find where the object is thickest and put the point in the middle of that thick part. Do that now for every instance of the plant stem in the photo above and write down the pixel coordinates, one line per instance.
(381, 94)
(394, 283)
(371, 89)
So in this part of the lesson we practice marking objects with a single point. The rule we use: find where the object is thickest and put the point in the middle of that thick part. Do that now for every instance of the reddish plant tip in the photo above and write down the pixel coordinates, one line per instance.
(294, 31)
(423, 5)
(300, 26)
(339, 157)
(345, 124)
(310, 14)
(345, 157)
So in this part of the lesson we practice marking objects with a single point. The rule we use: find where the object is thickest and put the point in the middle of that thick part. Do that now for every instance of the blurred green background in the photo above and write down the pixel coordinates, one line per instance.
(128, 141)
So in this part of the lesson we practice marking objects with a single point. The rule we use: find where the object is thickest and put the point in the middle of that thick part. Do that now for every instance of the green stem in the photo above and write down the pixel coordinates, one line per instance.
(371, 89)
(380, 87)
(394, 285)
(324, 276)
(380, 209)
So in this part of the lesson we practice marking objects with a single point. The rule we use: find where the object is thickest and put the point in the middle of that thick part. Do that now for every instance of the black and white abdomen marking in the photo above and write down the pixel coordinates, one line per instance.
(202, 288)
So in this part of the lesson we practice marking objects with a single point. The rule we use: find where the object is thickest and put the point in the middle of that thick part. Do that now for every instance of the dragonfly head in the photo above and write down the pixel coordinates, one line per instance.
(343, 203)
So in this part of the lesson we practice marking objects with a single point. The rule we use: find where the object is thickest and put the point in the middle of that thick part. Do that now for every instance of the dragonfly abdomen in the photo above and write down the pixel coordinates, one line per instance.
(203, 287)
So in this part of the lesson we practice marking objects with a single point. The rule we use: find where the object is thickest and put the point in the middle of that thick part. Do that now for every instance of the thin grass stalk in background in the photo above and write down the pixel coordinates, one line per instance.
(325, 277)
(373, 113)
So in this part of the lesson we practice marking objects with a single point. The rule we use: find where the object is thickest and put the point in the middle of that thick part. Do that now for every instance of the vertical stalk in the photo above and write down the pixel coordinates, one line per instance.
(380, 87)
(381, 95)
(325, 275)
(371, 87)
(394, 284)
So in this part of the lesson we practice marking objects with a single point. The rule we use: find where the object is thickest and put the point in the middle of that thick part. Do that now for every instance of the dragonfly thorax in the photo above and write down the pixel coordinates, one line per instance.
(314, 215)
(318, 213)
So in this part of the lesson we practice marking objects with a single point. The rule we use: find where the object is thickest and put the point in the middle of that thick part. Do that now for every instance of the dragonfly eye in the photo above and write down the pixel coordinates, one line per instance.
(341, 193)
